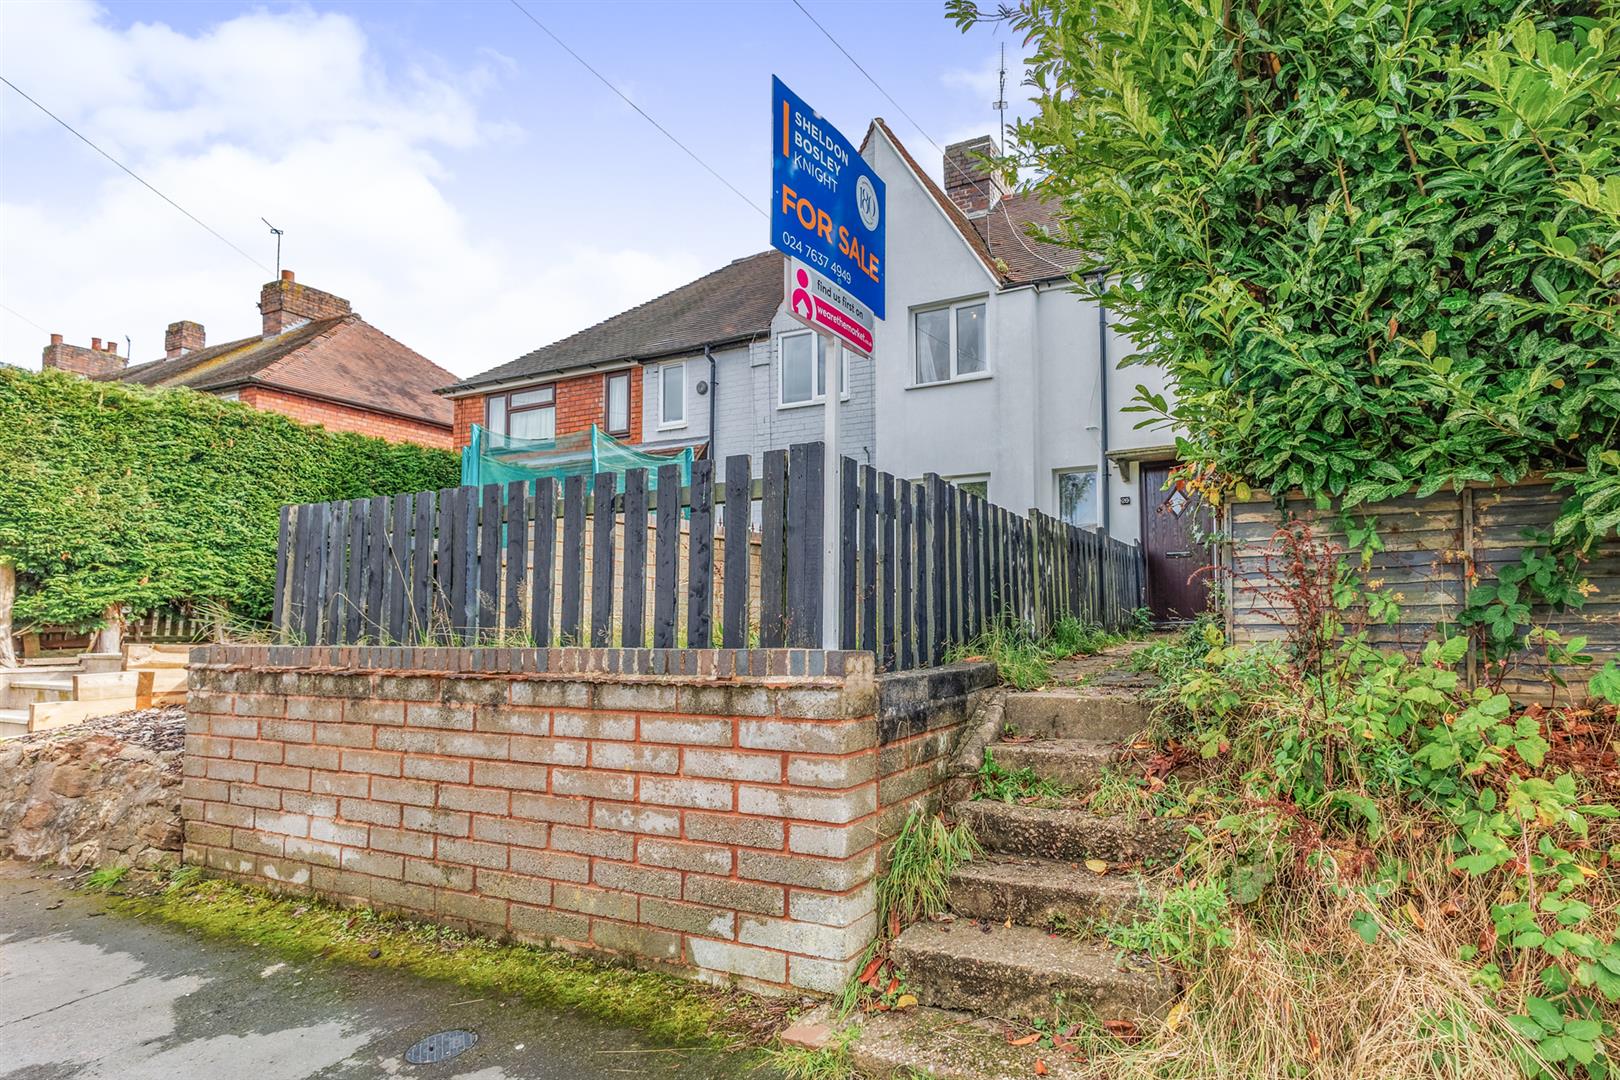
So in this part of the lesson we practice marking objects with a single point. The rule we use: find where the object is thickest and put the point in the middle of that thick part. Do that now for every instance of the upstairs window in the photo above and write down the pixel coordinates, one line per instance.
(950, 342)
(523, 414)
(617, 405)
(672, 396)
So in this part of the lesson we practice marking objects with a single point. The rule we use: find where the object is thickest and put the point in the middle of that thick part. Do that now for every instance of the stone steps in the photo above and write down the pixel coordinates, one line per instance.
(1016, 972)
(1065, 831)
(1041, 892)
(945, 1045)
(1076, 713)
(13, 722)
(1072, 763)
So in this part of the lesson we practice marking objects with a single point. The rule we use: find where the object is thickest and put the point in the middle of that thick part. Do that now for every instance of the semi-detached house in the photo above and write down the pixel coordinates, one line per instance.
(990, 370)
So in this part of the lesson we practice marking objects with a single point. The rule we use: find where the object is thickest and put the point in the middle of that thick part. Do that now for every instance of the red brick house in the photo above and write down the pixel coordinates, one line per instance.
(315, 361)
(621, 374)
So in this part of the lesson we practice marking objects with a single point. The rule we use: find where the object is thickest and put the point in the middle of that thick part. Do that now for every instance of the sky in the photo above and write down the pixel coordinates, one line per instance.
(471, 188)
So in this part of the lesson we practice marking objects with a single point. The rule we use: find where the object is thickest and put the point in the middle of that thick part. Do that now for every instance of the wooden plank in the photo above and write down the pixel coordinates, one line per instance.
(355, 585)
(906, 542)
(336, 575)
(798, 612)
(737, 519)
(544, 524)
(633, 632)
(422, 545)
(461, 540)
(444, 575)
(889, 523)
(284, 551)
(848, 529)
(773, 550)
(573, 562)
(700, 558)
(517, 556)
(376, 510)
(399, 567)
(927, 571)
(952, 575)
(604, 489)
(667, 556)
(868, 495)
(486, 610)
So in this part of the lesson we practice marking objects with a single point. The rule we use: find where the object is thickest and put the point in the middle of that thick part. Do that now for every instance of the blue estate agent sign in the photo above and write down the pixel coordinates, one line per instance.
(827, 206)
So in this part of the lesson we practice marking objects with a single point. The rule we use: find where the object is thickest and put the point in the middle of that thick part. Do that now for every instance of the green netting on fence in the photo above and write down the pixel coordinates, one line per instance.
(499, 459)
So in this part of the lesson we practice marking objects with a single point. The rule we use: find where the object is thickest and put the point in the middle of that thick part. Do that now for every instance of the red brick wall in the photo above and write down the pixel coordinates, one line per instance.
(725, 824)
(581, 402)
(346, 418)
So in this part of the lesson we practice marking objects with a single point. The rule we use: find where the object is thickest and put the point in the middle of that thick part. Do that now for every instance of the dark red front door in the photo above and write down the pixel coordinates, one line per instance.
(1173, 522)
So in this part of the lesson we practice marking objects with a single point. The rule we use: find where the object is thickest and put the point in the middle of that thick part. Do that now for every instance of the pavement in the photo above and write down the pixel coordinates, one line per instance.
(93, 994)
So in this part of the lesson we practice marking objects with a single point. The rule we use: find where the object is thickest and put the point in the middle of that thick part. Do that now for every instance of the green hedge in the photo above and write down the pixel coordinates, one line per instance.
(113, 494)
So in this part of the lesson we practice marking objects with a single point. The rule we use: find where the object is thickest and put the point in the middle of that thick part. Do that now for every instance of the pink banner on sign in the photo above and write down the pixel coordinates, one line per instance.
(844, 327)
(823, 306)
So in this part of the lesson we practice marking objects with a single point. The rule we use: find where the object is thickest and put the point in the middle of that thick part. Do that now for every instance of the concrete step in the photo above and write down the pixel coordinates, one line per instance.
(1063, 830)
(1017, 972)
(946, 1045)
(1076, 764)
(13, 722)
(1096, 714)
(62, 683)
(1039, 892)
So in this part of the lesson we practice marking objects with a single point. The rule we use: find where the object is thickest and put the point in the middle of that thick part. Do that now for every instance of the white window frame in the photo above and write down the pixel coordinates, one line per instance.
(952, 307)
(608, 380)
(781, 372)
(506, 416)
(971, 478)
(664, 423)
(1096, 491)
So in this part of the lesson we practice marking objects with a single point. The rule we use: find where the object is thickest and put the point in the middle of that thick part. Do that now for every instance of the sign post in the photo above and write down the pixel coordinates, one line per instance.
(827, 217)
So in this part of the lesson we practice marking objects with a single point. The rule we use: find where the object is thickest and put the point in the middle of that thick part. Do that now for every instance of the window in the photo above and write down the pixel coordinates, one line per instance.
(523, 414)
(950, 343)
(617, 405)
(973, 485)
(672, 396)
(797, 386)
(1077, 497)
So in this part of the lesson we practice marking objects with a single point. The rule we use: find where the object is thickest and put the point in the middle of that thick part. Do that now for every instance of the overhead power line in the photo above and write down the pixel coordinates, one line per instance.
(13, 311)
(1012, 226)
(133, 175)
(644, 114)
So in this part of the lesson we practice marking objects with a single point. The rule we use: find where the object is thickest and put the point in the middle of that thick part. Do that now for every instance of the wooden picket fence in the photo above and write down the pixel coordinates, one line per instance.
(531, 563)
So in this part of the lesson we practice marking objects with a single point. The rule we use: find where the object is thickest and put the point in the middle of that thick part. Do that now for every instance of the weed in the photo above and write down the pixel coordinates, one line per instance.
(921, 862)
(1181, 926)
(1000, 784)
(106, 879)
(1117, 793)
(183, 878)
(831, 1062)
(1024, 661)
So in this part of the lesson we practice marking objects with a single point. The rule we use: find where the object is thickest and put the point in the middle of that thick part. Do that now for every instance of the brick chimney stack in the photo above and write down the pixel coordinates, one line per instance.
(286, 304)
(98, 361)
(969, 180)
(181, 338)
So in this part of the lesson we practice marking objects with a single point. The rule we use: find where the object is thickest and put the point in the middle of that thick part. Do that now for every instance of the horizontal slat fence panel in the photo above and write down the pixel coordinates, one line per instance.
(924, 567)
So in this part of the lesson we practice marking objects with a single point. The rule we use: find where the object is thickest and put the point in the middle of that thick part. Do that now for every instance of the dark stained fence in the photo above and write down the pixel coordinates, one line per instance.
(924, 567)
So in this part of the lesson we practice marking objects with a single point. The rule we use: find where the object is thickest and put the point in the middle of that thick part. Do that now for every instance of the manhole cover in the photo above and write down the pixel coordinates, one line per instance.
(441, 1046)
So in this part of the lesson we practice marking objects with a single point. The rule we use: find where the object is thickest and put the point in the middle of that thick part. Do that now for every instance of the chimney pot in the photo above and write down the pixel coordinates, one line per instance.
(56, 339)
(95, 343)
(286, 275)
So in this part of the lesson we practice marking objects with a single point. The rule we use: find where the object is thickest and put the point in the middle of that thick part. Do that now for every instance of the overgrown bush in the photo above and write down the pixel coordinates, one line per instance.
(1370, 818)
(1375, 246)
(119, 495)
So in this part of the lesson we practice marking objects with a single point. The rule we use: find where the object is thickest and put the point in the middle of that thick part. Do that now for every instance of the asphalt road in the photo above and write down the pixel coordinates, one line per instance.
(94, 995)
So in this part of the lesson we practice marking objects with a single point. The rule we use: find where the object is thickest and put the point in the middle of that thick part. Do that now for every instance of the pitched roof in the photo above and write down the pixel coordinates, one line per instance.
(345, 360)
(732, 304)
(1000, 237)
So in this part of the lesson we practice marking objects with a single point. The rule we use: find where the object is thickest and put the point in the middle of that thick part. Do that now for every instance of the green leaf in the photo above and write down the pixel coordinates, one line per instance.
(1549, 1016)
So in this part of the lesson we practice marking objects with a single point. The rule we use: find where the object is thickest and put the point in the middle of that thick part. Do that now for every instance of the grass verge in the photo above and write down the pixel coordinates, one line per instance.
(668, 1009)
(1024, 661)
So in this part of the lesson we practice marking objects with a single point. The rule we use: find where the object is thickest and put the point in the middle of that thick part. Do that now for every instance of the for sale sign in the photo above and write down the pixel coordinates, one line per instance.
(827, 216)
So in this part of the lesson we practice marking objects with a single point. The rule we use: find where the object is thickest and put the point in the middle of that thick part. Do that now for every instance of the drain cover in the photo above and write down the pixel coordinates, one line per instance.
(441, 1046)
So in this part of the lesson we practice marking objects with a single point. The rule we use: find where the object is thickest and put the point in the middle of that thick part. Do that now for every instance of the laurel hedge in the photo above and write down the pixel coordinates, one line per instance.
(116, 494)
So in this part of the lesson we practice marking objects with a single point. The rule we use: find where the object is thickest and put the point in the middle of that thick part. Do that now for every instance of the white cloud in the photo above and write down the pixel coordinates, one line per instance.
(293, 116)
